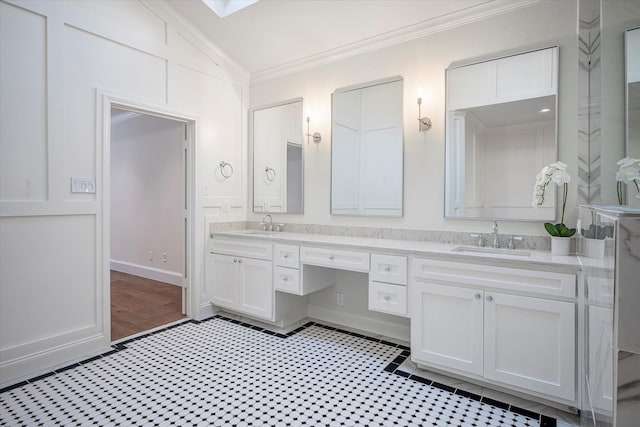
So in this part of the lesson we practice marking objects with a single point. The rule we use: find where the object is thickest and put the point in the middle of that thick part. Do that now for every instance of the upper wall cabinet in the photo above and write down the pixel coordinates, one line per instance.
(367, 149)
(501, 130)
(277, 159)
(514, 78)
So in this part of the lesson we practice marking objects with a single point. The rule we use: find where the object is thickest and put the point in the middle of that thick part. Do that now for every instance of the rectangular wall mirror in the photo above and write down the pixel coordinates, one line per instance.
(501, 130)
(632, 59)
(367, 149)
(278, 169)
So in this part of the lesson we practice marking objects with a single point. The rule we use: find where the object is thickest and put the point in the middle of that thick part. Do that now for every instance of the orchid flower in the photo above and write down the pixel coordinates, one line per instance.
(628, 172)
(557, 173)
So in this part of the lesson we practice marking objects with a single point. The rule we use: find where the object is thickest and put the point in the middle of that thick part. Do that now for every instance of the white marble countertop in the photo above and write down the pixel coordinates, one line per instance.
(450, 252)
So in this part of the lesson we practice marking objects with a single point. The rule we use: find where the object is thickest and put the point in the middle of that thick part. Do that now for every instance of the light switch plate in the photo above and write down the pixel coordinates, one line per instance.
(83, 185)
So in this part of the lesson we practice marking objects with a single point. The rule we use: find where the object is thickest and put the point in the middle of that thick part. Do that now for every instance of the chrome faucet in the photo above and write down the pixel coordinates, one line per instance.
(267, 226)
(495, 243)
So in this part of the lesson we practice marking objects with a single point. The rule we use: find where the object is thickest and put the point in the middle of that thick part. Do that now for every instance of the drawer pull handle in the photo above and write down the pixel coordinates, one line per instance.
(489, 298)
(387, 268)
(477, 296)
(331, 257)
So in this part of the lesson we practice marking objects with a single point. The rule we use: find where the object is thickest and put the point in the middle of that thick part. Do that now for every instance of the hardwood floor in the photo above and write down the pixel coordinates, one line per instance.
(139, 304)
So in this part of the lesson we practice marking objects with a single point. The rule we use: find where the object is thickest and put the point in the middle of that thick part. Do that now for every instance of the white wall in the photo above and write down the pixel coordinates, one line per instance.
(422, 63)
(57, 59)
(147, 198)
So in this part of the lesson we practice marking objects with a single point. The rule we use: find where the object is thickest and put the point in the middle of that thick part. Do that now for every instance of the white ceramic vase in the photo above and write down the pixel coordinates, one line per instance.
(594, 248)
(560, 245)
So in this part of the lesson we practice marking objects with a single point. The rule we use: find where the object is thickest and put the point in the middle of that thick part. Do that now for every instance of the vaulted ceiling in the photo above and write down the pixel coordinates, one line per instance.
(276, 36)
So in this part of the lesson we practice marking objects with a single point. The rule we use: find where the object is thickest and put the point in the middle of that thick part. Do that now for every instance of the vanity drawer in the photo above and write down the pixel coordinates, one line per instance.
(287, 280)
(389, 269)
(489, 276)
(388, 298)
(243, 248)
(286, 255)
(343, 260)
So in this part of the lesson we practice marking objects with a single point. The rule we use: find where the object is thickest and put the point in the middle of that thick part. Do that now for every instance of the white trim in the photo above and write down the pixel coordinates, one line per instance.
(21, 368)
(105, 101)
(408, 33)
(165, 276)
(367, 324)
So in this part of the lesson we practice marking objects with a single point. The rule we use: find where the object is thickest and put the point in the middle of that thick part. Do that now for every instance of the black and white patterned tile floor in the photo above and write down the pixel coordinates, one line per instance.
(225, 372)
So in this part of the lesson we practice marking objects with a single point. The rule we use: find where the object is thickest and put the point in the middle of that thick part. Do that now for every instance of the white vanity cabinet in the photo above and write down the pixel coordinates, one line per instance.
(508, 326)
(388, 284)
(241, 276)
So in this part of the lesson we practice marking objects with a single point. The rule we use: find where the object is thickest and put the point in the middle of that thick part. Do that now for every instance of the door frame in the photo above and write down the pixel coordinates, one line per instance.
(106, 101)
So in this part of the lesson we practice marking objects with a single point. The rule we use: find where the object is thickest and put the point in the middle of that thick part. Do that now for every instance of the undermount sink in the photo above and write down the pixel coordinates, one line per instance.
(492, 251)
(263, 232)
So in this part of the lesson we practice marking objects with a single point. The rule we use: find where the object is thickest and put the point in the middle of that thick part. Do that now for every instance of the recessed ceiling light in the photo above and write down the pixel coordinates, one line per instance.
(224, 8)
(544, 110)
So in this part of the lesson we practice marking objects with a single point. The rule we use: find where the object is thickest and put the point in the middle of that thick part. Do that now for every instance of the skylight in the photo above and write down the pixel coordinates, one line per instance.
(224, 8)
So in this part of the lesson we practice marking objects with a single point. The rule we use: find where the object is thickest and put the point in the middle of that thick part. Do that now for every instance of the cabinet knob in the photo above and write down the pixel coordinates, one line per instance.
(285, 256)
(387, 268)
(489, 298)
(285, 278)
(478, 296)
(386, 297)
(331, 257)
(239, 261)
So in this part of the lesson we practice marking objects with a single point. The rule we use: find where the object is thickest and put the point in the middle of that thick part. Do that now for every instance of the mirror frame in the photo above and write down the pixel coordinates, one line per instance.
(629, 193)
(396, 78)
(480, 60)
(252, 112)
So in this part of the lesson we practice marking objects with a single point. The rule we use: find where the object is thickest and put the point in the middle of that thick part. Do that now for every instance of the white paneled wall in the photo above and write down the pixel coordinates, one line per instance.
(58, 60)
(422, 63)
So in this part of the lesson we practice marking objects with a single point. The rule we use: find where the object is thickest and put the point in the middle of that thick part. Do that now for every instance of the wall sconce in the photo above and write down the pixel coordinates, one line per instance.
(316, 135)
(424, 122)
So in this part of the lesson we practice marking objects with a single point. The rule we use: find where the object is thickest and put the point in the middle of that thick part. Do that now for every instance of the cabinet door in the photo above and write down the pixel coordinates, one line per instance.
(255, 288)
(224, 281)
(528, 75)
(471, 85)
(530, 343)
(446, 326)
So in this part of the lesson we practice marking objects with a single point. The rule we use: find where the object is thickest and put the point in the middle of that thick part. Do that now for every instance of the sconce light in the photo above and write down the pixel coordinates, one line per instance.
(316, 135)
(424, 122)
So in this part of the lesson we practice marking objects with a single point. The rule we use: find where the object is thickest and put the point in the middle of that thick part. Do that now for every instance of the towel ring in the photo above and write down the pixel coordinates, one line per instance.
(224, 165)
(269, 173)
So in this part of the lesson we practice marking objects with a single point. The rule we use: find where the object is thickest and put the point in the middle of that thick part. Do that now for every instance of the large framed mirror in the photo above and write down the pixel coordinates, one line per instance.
(278, 161)
(632, 60)
(501, 130)
(367, 149)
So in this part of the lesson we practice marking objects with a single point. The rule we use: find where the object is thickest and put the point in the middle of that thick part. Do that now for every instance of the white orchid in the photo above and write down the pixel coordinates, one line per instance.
(628, 172)
(555, 172)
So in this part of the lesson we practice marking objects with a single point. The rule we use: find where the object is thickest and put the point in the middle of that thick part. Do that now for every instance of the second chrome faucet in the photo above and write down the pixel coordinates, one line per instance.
(495, 243)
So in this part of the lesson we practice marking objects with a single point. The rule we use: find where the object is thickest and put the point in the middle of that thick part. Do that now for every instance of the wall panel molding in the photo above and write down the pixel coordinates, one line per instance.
(55, 208)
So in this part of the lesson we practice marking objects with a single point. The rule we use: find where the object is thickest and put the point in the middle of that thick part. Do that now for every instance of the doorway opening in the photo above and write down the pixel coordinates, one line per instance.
(149, 233)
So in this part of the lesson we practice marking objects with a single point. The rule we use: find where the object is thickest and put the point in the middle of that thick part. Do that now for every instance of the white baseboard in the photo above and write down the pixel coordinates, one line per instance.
(367, 324)
(41, 362)
(164, 276)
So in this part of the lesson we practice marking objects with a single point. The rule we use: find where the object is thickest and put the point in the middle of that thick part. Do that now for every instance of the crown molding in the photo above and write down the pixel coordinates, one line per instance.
(410, 32)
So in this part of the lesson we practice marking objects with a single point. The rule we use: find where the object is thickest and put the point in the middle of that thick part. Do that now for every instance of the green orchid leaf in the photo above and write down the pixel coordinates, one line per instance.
(551, 229)
(559, 230)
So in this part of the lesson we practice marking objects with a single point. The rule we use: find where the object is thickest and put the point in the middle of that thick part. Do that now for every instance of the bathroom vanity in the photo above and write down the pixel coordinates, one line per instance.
(495, 316)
